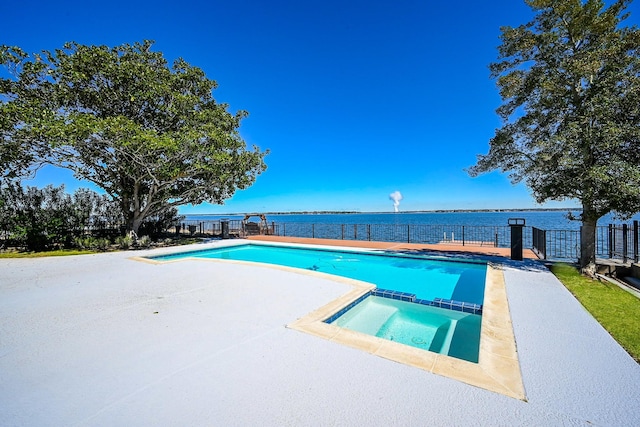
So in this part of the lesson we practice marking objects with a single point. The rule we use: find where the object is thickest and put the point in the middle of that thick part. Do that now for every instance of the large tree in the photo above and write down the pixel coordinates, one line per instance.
(16, 155)
(151, 135)
(570, 84)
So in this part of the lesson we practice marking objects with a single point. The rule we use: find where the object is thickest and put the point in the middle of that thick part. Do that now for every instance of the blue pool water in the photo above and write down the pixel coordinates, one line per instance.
(427, 278)
(434, 329)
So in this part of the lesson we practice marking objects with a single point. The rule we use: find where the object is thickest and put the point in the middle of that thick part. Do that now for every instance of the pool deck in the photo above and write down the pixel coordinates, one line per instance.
(446, 248)
(106, 340)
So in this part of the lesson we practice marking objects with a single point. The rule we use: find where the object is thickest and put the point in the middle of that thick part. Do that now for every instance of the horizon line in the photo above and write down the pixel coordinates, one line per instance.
(315, 212)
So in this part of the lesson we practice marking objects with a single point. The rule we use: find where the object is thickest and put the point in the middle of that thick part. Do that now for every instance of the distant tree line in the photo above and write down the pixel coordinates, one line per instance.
(38, 219)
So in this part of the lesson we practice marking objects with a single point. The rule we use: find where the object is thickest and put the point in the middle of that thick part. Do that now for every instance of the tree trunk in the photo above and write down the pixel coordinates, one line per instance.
(134, 220)
(588, 242)
(136, 224)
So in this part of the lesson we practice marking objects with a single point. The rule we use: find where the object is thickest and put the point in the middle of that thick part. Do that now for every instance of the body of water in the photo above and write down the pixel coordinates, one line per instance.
(548, 220)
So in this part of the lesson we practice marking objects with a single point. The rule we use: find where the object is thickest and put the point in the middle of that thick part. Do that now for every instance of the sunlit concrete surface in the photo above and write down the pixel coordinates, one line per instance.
(107, 340)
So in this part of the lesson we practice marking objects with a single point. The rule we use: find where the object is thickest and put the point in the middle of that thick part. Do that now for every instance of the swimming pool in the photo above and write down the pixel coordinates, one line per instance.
(497, 367)
(425, 278)
(439, 330)
(426, 303)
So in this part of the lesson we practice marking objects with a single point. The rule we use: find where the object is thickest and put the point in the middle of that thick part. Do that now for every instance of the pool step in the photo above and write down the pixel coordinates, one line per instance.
(370, 321)
(465, 307)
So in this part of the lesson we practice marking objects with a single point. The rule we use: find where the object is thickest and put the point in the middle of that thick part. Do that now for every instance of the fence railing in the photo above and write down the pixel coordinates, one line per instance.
(556, 244)
(495, 236)
(207, 228)
(622, 241)
(612, 242)
(539, 242)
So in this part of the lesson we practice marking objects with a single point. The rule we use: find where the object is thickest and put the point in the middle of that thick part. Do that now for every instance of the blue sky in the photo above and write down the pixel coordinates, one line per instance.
(354, 99)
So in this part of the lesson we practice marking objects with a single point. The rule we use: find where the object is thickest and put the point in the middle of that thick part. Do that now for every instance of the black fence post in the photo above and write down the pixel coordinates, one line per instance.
(369, 232)
(224, 225)
(611, 242)
(539, 242)
(463, 235)
(635, 241)
(342, 227)
(516, 225)
(625, 242)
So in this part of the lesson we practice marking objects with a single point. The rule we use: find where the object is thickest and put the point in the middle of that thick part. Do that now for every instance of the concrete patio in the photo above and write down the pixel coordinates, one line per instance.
(106, 340)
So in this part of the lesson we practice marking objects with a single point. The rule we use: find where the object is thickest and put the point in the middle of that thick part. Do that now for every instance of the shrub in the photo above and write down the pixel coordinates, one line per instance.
(124, 242)
(102, 244)
(92, 243)
(155, 225)
(82, 242)
(144, 241)
(43, 219)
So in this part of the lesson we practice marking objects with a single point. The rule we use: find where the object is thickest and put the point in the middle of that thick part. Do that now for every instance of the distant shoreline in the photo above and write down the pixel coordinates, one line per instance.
(392, 213)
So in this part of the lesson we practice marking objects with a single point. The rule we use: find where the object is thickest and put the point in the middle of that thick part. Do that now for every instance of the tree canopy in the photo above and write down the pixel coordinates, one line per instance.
(151, 135)
(570, 85)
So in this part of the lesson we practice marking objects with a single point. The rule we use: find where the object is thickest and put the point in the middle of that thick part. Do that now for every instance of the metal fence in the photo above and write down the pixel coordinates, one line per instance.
(207, 228)
(612, 242)
(495, 236)
(622, 241)
(556, 244)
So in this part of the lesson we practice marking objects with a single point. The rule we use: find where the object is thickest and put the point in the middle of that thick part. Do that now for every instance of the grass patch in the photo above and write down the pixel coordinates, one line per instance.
(14, 253)
(617, 310)
(60, 252)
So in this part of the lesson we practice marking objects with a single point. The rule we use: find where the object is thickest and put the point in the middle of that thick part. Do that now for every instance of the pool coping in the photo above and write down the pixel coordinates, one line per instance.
(497, 370)
(498, 367)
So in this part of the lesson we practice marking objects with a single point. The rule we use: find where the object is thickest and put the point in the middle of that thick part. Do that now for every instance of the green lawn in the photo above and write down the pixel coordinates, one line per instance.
(64, 252)
(61, 252)
(617, 310)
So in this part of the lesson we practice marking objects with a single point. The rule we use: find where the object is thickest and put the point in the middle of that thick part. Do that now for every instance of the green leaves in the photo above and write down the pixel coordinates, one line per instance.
(570, 85)
(152, 136)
